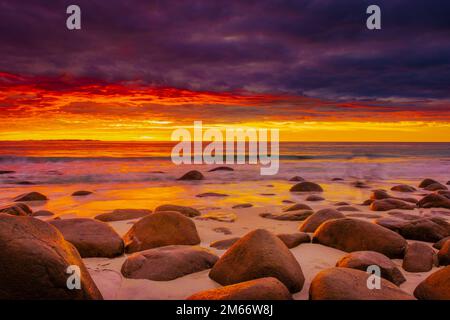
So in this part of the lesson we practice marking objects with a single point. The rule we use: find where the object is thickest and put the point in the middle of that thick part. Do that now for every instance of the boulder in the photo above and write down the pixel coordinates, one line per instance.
(341, 203)
(81, 193)
(42, 213)
(24, 207)
(223, 168)
(92, 238)
(360, 185)
(167, 263)
(192, 175)
(13, 209)
(357, 235)
(351, 284)
(260, 289)
(296, 178)
(123, 214)
(224, 244)
(382, 195)
(435, 187)
(403, 215)
(299, 215)
(242, 206)
(337, 179)
(426, 182)
(444, 254)
(361, 260)
(314, 197)
(34, 262)
(31, 196)
(306, 186)
(435, 287)
(438, 245)
(426, 229)
(434, 200)
(211, 194)
(186, 211)
(403, 188)
(347, 209)
(297, 206)
(316, 219)
(391, 223)
(390, 204)
(418, 258)
(292, 240)
(258, 254)
(161, 229)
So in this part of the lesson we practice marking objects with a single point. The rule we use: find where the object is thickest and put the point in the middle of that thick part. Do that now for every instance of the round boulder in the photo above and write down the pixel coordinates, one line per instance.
(444, 254)
(31, 196)
(192, 175)
(291, 240)
(123, 214)
(306, 186)
(186, 211)
(435, 287)
(418, 258)
(316, 219)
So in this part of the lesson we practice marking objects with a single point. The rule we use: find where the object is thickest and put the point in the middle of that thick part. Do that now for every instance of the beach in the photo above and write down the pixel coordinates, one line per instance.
(133, 182)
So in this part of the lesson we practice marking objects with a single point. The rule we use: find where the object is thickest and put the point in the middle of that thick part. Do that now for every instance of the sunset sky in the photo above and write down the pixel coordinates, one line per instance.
(140, 69)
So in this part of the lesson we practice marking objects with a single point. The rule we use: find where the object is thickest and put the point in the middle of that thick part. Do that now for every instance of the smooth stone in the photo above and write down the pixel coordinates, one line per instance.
(347, 209)
(435, 287)
(242, 206)
(168, 263)
(434, 200)
(14, 210)
(444, 254)
(31, 196)
(187, 211)
(360, 185)
(435, 187)
(316, 219)
(314, 198)
(259, 289)
(123, 214)
(306, 186)
(426, 182)
(42, 213)
(418, 258)
(403, 188)
(390, 204)
(224, 244)
(438, 245)
(292, 240)
(192, 175)
(297, 206)
(81, 193)
(211, 194)
(161, 229)
(296, 178)
(342, 203)
(351, 284)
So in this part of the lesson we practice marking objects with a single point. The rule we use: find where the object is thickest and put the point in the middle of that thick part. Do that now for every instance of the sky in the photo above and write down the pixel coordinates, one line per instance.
(137, 70)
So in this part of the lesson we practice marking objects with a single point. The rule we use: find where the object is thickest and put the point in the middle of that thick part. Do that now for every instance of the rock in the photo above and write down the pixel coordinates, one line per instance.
(222, 230)
(258, 254)
(13, 209)
(186, 211)
(391, 223)
(314, 198)
(361, 260)
(296, 178)
(337, 179)
(367, 202)
(167, 263)
(444, 254)
(7, 171)
(444, 193)
(219, 216)
(347, 209)
(342, 203)
(435, 287)
(297, 206)
(192, 175)
(351, 284)
(42, 213)
(316, 219)
(299, 215)
(438, 245)
(211, 194)
(81, 193)
(403, 188)
(381, 195)
(123, 214)
(425, 229)
(34, 262)
(92, 238)
(434, 200)
(223, 168)
(425, 183)
(24, 207)
(418, 258)
(260, 289)
(363, 215)
(402, 215)
(161, 229)
(360, 185)
(435, 187)
(306, 186)
(292, 240)
(31, 196)
(224, 244)
(242, 206)
(357, 235)
(390, 204)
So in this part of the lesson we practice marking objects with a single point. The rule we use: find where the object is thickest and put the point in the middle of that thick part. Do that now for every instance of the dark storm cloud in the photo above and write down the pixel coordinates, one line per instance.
(315, 47)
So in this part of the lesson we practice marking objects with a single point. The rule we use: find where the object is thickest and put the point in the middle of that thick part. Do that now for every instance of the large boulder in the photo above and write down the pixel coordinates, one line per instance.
(168, 263)
(123, 214)
(291, 240)
(316, 219)
(297, 206)
(444, 254)
(438, 245)
(351, 284)
(161, 229)
(299, 215)
(418, 258)
(92, 238)
(357, 235)
(435, 287)
(192, 175)
(187, 211)
(258, 254)
(361, 260)
(390, 204)
(259, 289)
(34, 262)
(13, 210)
(31, 196)
(403, 188)
(435, 187)
(426, 182)
(434, 200)
(306, 186)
